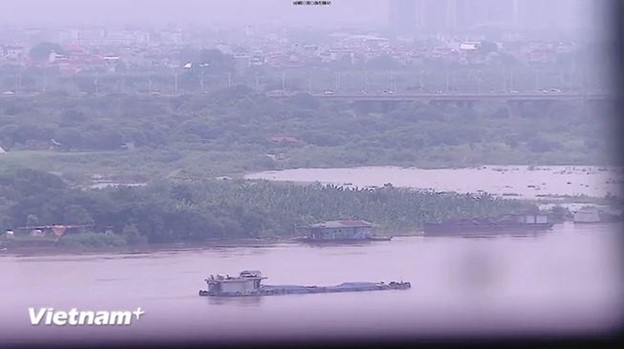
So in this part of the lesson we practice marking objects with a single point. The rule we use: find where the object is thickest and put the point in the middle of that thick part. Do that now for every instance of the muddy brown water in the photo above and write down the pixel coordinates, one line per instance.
(562, 282)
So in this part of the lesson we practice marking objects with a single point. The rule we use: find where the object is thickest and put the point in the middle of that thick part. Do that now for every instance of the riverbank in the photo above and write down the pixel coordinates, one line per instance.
(149, 248)
(142, 249)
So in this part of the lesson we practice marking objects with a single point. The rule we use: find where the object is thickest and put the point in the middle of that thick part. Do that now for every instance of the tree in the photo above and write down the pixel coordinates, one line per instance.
(305, 101)
(488, 47)
(541, 145)
(214, 61)
(383, 62)
(75, 214)
(41, 52)
(32, 220)
(132, 235)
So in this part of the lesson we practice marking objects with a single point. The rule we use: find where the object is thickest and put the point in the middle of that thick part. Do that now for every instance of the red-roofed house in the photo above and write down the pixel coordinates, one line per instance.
(284, 139)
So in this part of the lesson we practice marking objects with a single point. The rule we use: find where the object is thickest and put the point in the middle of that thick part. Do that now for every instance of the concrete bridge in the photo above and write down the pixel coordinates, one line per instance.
(461, 97)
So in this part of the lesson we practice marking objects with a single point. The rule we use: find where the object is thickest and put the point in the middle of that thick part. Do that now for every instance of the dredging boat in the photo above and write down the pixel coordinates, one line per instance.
(504, 225)
(249, 283)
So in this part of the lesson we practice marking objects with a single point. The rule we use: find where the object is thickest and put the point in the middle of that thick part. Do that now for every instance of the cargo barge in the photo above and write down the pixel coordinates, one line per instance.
(249, 283)
(508, 224)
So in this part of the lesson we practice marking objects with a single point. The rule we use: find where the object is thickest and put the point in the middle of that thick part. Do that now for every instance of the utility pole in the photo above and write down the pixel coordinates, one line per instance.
(536, 80)
(175, 84)
(45, 81)
(511, 80)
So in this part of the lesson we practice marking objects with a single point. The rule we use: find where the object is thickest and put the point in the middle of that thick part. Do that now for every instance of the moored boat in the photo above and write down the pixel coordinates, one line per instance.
(597, 214)
(503, 225)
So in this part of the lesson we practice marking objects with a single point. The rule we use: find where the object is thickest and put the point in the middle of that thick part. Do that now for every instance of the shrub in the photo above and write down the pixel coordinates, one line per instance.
(91, 240)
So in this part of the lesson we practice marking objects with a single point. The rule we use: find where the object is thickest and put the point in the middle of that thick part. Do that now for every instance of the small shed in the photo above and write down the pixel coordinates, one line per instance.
(587, 215)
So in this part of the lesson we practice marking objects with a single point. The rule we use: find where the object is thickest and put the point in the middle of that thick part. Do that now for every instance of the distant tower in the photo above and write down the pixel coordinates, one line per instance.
(515, 14)
(403, 16)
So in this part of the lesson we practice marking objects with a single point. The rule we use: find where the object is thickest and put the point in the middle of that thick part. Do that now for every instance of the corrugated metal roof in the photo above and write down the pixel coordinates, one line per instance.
(343, 224)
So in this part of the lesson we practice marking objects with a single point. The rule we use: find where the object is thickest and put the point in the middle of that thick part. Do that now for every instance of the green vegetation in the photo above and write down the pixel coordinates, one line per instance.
(94, 240)
(212, 209)
(134, 138)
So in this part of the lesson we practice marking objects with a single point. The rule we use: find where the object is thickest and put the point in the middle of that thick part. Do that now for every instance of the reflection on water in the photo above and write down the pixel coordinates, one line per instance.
(235, 301)
(565, 281)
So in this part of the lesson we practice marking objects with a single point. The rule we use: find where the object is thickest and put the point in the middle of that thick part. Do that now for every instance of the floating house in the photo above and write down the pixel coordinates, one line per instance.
(341, 230)
(338, 230)
(596, 214)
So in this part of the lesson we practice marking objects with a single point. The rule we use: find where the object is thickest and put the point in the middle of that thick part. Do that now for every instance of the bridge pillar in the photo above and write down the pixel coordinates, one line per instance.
(516, 109)
(466, 104)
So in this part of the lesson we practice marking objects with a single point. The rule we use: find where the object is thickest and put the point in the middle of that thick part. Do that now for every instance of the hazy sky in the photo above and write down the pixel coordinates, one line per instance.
(189, 11)
(372, 13)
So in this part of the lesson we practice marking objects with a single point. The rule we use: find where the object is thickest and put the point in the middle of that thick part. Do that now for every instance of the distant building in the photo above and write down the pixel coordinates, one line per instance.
(12, 52)
(337, 54)
(434, 16)
(587, 215)
(469, 46)
(284, 139)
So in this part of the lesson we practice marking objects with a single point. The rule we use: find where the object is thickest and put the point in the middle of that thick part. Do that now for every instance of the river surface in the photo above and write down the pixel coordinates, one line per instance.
(523, 181)
(566, 281)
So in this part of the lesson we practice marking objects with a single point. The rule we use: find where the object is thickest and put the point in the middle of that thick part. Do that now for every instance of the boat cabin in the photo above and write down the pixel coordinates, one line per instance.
(527, 218)
(247, 282)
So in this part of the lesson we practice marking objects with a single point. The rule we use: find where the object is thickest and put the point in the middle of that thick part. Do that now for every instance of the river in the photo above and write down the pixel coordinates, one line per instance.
(564, 281)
